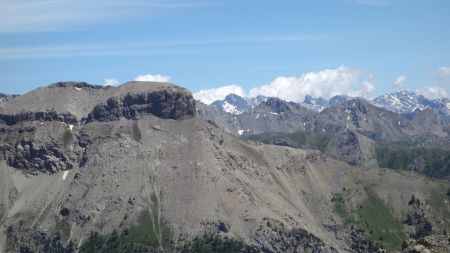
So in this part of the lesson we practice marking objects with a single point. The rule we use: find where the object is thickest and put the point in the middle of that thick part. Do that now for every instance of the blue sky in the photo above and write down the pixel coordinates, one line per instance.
(357, 47)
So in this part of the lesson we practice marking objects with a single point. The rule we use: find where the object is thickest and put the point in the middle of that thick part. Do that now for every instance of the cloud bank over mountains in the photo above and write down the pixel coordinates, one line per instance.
(325, 83)
(432, 92)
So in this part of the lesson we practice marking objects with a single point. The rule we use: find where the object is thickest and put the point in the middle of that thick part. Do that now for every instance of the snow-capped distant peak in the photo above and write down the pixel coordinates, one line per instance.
(227, 107)
(409, 102)
(401, 102)
(235, 104)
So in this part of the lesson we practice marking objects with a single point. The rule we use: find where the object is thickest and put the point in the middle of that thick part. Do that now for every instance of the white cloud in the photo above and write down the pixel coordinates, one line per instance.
(444, 71)
(400, 82)
(369, 86)
(432, 92)
(152, 78)
(326, 83)
(111, 82)
(210, 95)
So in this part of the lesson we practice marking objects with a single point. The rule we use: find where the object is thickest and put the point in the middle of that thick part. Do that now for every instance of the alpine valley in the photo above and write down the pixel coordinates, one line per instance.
(144, 167)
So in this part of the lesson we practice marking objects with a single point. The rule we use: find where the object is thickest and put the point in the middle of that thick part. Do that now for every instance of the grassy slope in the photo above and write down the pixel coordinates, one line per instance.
(139, 238)
(306, 140)
(375, 216)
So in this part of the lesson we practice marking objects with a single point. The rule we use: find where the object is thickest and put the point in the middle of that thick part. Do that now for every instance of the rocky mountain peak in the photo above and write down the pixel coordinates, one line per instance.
(408, 101)
(339, 99)
(71, 102)
(276, 105)
(315, 104)
(66, 84)
(401, 101)
(315, 101)
(233, 104)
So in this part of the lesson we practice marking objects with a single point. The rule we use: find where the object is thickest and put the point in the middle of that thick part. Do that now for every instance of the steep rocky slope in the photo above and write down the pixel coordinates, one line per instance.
(275, 121)
(276, 115)
(137, 165)
(383, 125)
(353, 148)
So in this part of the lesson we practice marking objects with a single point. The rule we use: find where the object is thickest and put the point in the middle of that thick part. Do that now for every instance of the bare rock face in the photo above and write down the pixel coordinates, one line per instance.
(11, 119)
(41, 241)
(417, 165)
(6, 97)
(436, 243)
(361, 243)
(352, 148)
(31, 145)
(275, 237)
(167, 104)
(33, 157)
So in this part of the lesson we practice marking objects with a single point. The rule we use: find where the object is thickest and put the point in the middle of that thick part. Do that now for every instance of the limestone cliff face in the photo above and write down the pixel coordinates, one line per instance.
(43, 135)
(12, 119)
(77, 101)
(167, 104)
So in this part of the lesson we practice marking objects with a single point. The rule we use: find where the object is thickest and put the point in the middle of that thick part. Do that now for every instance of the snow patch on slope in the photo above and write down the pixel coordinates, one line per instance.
(227, 107)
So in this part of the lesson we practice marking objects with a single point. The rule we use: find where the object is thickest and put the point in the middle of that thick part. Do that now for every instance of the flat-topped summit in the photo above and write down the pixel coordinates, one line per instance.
(65, 84)
(80, 99)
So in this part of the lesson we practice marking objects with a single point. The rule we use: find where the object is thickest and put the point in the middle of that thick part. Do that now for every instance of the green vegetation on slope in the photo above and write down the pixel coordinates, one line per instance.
(141, 237)
(436, 161)
(306, 139)
(67, 137)
(374, 216)
(377, 217)
(310, 140)
(217, 244)
(137, 135)
(341, 208)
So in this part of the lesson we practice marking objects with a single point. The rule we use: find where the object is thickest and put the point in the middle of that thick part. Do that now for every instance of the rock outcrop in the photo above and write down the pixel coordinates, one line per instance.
(275, 237)
(167, 104)
(11, 119)
(429, 244)
(34, 156)
(23, 240)
(353, 148)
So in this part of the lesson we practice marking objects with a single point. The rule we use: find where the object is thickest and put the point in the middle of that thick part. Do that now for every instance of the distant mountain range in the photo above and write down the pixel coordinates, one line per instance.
(402, 102)
(354, 130)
